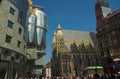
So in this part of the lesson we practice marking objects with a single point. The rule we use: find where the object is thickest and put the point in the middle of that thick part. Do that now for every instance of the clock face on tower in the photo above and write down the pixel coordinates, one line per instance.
(99, 15)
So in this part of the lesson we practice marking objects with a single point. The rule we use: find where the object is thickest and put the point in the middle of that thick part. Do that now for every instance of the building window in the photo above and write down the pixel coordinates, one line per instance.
(12, 11)
(65, 68)
(0, 1)
(20, 30)
(6, 53)
(24, 47)
(69, 69)
(10, 24)
(8, 39)
(18, 44)
(17, 56)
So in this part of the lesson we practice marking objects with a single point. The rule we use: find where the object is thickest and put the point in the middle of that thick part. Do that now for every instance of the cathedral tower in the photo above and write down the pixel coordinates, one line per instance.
(102, 9)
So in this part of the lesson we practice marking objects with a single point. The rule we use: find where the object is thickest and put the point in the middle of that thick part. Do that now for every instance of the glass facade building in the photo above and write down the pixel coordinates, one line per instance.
(31, 27)
(37, 28)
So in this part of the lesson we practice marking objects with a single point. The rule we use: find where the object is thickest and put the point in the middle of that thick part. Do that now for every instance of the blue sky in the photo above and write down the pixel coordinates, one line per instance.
(71, 14)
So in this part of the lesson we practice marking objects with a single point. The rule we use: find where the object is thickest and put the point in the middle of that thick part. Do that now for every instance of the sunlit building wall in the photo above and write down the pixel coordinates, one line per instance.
(37, 28)
(12, 42)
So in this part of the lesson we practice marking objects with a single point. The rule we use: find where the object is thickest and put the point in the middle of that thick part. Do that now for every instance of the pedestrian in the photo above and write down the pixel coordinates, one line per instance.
(103, 76)
(96, 76)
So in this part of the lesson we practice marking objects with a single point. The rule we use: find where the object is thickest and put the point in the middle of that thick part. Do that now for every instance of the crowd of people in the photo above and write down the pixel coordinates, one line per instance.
(94, 76)
(103, 76)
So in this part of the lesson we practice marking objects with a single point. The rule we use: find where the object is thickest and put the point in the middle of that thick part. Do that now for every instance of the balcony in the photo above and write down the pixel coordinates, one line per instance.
(40, 53)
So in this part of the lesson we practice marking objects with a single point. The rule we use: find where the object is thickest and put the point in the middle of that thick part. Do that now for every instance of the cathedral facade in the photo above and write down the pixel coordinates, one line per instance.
(73, 51)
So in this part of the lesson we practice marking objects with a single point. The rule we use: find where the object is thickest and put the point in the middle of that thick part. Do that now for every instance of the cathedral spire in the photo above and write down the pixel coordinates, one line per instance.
(100, 0)
(59, 30)
(102, 9)
(59, 27)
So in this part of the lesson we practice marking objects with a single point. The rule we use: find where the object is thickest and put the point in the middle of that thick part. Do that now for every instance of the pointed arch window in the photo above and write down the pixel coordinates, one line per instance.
(69, 69)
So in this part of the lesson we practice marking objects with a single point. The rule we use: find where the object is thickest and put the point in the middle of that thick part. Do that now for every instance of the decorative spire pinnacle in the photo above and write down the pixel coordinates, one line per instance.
(54, 33)
(59, 27)
(54, 38)
(59, 30)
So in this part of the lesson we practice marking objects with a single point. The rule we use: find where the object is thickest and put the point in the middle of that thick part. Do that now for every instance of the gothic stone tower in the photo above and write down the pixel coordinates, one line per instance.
(102, 10)
(61, 59)
(72, 52)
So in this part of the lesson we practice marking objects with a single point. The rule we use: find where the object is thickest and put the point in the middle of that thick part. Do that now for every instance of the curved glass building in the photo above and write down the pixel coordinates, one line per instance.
(37, 28)
(31, 28)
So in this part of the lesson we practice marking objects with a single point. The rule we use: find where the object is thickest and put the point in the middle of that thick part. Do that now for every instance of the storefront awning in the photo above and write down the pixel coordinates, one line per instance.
(117, 59)
(93, 67)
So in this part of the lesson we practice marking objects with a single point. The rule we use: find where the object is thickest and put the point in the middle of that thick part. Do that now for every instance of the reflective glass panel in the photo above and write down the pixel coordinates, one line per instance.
(39, 35)
(31, 29)
(39, 19)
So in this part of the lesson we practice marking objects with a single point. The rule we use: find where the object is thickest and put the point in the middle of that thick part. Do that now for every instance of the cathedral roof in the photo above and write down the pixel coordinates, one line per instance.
(79, 35)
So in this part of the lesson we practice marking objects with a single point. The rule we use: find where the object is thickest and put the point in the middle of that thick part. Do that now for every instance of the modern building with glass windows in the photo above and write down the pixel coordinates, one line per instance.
(37, 28)
(12, 42)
